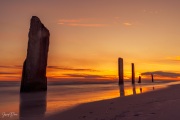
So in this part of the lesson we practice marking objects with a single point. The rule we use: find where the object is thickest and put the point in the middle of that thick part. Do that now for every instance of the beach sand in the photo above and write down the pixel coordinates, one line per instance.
(163, 104)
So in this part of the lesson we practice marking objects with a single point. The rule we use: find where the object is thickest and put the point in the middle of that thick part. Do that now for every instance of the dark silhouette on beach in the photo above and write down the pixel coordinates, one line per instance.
(120, 71)
(133, 73)
(34, 68)
(152, 76)
(139, 79)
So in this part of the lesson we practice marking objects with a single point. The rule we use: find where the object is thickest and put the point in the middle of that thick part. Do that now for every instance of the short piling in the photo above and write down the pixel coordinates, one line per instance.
(133, 74)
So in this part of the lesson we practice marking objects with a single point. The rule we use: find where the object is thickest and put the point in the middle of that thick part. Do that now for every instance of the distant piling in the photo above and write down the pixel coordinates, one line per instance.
(120, 71)
(152, 76)
(134, 89)
(139, 79)
(133, 74)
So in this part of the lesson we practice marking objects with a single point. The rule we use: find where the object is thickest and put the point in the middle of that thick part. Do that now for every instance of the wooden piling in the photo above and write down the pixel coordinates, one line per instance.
(133, 74)
(139, 79)
(152, 76)
(120, 71)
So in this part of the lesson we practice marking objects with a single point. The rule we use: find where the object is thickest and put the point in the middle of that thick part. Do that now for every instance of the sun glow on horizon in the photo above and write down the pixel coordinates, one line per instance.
(85, 42)
(67, 73)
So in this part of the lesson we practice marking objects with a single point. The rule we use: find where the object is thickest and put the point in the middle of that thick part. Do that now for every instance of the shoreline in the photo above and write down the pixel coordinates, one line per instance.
(154, 105)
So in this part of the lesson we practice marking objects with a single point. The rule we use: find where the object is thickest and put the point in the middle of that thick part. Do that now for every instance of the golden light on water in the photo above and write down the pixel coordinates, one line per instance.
(73, 100)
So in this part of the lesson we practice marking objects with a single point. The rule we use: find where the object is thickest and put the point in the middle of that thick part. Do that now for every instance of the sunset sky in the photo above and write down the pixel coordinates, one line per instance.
(88, 36)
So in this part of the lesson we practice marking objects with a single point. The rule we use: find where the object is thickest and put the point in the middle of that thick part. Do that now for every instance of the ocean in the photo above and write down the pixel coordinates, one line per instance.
(61, 97)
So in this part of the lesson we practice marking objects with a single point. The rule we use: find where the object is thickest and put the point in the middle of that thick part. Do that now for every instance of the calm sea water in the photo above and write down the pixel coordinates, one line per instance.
(59, 97)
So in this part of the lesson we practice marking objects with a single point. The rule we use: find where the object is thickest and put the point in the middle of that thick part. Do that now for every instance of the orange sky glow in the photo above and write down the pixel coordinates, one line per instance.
(88, 36)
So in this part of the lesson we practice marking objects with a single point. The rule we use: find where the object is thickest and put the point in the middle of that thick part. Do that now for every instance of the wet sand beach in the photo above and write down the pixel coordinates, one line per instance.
(86, 101)
(163, 104)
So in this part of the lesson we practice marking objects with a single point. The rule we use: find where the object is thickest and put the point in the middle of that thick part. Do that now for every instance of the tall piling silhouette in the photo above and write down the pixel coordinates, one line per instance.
(133, 73)
(152, 76)
(34, 68)
(139, 79)
(120, 71)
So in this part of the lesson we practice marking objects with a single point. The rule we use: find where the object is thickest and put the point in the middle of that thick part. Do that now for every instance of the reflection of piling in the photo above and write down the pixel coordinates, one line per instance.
(121, 90)
(134, 89)
(120, 71)
(133, 74)
(139, 79)
(140, 90)
(32, 105)
(152, 76)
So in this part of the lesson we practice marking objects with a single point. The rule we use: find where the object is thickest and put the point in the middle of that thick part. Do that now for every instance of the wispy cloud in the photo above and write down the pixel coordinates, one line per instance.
(127, 24)
(82, 22)
(176, 58)
(93, 22)
(163, 74)
(53, 67)
(151, 11)
(70, 20)
(8, 73)
(86, 25)
(87, 76)
(122, 21)
(71, 69)
(11, 72)
(12, 66)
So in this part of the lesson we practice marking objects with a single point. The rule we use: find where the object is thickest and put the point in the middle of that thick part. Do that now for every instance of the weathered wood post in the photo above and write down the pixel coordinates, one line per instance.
(34, 68)
(120, 71)
(152, 76)
(139, 79)
(133, 74)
